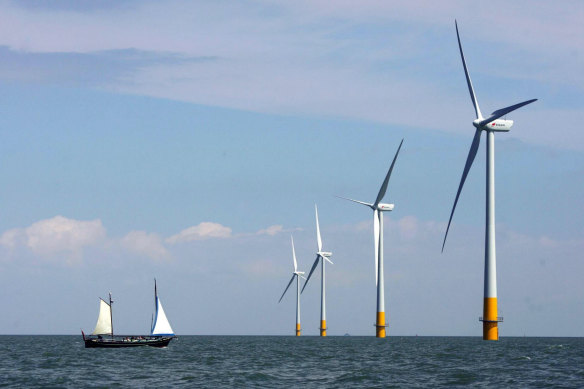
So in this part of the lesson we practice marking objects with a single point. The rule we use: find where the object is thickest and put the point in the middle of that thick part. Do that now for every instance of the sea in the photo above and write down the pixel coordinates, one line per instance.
(290, 362)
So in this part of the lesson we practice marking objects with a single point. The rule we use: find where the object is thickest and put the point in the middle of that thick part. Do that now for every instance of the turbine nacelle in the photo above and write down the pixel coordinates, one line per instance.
(325, 254)
(385, 207)
(499, 125)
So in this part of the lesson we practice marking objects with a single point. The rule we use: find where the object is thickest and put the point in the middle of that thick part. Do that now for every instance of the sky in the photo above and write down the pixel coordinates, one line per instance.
(188, 140)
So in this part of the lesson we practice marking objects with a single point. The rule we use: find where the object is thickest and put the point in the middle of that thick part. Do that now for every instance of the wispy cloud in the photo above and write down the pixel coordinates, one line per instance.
(93, 69)
(378, 61)
(202, 231)
(271, 230)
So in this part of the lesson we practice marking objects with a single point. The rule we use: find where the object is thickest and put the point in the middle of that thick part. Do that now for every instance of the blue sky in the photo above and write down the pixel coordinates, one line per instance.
(187, 141)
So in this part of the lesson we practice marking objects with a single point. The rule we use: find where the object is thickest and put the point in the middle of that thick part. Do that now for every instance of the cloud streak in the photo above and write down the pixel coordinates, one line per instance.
(94, 69)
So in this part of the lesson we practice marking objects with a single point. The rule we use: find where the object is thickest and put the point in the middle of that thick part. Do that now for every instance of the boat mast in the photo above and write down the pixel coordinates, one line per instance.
(111, 314)
(155, 295)
(155, 307)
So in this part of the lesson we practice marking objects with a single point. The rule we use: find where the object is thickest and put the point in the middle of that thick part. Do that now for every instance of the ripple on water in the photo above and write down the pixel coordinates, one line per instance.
(356, 362)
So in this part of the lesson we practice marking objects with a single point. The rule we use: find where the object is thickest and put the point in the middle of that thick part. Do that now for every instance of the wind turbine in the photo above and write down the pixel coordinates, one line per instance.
(320, 256)
(378, 209)
(490, 125)
(295, 274)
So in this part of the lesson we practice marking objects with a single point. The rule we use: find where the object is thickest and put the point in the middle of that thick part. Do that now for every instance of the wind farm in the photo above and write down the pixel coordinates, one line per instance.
(495, 122)
(490, 125)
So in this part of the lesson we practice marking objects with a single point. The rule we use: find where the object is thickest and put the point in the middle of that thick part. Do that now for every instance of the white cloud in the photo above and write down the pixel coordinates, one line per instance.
(58, 235)
(12, 238)
(205, 230)
(143, 243)
(271, 230)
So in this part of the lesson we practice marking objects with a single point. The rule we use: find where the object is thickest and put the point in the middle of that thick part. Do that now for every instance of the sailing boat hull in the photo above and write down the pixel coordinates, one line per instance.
(127, 342)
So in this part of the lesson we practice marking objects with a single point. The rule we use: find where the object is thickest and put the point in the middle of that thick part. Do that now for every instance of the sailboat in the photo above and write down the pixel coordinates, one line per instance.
(103, 335)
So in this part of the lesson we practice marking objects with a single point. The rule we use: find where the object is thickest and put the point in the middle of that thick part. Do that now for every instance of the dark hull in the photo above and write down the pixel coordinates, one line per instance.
(117, 343)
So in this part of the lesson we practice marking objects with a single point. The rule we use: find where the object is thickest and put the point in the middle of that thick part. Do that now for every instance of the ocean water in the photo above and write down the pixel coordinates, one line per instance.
(287, 361)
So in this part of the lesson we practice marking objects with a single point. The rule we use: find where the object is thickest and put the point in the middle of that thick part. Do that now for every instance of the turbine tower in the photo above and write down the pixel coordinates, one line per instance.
(490, 125)
(320, 256)
(378, 209)
(295, 274)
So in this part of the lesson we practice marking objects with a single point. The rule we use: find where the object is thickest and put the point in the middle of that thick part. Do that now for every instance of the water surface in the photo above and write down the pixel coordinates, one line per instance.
(287, 361)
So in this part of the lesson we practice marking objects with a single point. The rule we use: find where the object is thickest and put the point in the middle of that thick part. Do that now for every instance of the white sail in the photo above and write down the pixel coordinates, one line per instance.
(104, 321)
(161, 325)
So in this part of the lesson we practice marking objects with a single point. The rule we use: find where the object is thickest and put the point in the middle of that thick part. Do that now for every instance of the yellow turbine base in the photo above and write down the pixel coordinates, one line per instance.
(297, 329)
(323, 328)
(380, 325)
(490, 324)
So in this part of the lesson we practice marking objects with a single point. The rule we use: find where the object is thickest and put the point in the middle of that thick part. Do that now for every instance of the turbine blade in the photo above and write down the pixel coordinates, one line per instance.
(329, 261)
(376, 239)
(318, 240)
(469, 160)
(356, 201)
(294, 255)
(383, 188)
(310, 274)
(475, 103)
(285, 290)
(302, 276)
(504, 111)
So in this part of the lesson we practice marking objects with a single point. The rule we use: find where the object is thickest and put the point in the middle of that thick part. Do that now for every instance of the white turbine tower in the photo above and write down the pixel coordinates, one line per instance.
(378, 209)
(320, 256)
(295, 274)
(490, 125)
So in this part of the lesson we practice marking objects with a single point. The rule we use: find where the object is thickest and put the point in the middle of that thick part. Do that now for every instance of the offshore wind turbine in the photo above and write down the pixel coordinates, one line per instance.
(378, 209)
(490, 125)
(296, 274)
(320, 256)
